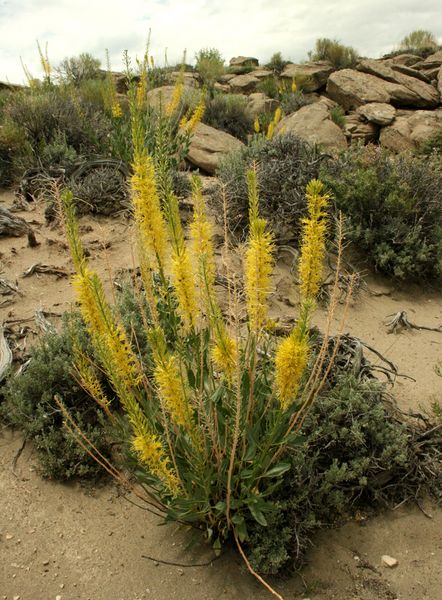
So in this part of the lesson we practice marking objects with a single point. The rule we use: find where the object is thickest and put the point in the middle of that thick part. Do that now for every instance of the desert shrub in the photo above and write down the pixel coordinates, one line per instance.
(284, 166)
(337, 115)
(228, 112)
(277, 63)
(340, 56)
(355, 455)
(269, 86)
(420, 39)
(393, 209)
(210, 66)
(14, 151)
(29, 405)
(77, 69)
(432, 145)
(289, 94)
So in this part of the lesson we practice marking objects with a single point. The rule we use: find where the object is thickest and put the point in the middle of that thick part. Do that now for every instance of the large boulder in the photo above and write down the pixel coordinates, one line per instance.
(313, 74)
(244, 84)
(208, 146)
(404, 59)
(416, 93)
(352, 88)
(313, 124)
(377, 112)
(160, 97)
(439, 81)
(258, 103)
(411, 128)
(244, 61)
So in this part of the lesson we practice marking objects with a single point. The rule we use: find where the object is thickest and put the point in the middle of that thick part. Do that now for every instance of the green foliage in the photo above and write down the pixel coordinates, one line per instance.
(29, 405)
(77, 69)
(393, 209)
(290, 95)
(337, 115)
(210, 66)
(340, 56)
(353, 451)
(14, 150)
(432, 145)
(420, 39)
(277, 63)
(284, 166)
(228, 112)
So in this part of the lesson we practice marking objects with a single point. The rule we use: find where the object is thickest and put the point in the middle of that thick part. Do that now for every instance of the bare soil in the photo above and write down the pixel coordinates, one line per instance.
(73, 542)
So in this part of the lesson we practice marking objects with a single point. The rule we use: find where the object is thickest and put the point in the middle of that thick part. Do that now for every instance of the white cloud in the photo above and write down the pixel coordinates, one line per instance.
(234, 27)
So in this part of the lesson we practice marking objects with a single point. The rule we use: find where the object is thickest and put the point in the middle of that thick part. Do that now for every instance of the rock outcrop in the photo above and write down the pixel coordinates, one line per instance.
(260, 103)
(314, 74)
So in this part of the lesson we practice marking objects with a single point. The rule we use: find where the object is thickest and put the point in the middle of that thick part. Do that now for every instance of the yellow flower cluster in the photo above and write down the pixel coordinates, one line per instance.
(314, 229)
(290, 362)
(174, 103)
(147, 209)
(258, 261)
(225, 353)
(171, 391)
(150, 452)
(201, 231)
(117, 113)
(183, 281)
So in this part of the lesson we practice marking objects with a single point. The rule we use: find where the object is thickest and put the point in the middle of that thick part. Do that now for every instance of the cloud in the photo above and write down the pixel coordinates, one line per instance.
(258, 28)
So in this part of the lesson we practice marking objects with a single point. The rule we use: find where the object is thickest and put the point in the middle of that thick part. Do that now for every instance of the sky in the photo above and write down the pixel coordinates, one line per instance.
(234, 27)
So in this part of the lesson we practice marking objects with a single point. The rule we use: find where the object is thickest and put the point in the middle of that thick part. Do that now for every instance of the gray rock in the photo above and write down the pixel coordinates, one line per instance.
(313, 124)
(357, 130)
(208, 146)
(411, 72)
(378, 113)
(397, 136)
(404, 59)
(411, 128)
(351, 88)
(315, 73)
(439, 81)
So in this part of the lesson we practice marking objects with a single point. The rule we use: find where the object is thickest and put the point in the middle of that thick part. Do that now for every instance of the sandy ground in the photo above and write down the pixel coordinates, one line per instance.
(73, 543)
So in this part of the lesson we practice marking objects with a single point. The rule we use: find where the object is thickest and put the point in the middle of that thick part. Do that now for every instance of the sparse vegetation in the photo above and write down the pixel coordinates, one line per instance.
(228, 112)
(210, 66)
(340, 56)
(420, 40)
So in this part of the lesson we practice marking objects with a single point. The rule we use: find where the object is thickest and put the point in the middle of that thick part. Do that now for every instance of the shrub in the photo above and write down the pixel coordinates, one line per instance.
(77, 69)
(277, 63)
(337, 115)
(14, 150)
(210, 66)
(340, 56)
(365, 463)
(29, 405)
(420, 39)
(432, 145)
(284, 166)
(393, 209)
(228, 112)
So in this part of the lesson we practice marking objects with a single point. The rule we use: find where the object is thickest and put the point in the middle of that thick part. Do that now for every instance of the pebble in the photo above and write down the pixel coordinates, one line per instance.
(389, 561)
(9, 536)
(45, 563)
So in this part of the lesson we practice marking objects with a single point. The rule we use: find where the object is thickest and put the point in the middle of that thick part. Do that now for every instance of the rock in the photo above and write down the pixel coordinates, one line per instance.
(358, 130)
(9, 536)
(411, 72)
(434, 58)
(352, 88)
(222, 87)
(244, 61)
(244, 84)
(397, 136)
(208, 146)
(439, 81)
(190, 79)
(261, 73)
(378, 113)
(412, 91)
(161, 96)
(313, 124)
(411, 128)
(423, 123)
(226, 77)
(258, 103)
(389, 561)
(404, 59)
(314, 73)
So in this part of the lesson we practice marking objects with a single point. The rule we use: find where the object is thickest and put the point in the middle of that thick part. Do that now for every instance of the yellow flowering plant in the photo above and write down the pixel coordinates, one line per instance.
(215, 404)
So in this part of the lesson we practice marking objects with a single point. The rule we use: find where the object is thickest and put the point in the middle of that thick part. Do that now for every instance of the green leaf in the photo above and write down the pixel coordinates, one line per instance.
(241, 529)
(277, 470)
(257, 515)
(217, 547)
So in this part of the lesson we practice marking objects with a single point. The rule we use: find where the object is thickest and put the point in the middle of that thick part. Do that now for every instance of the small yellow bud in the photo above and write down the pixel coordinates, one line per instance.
(256, 125)
(270, 130)
(294, 86)
(277, 116)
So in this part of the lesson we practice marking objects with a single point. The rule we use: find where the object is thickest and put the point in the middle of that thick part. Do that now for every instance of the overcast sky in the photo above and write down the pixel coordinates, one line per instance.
(234, 27)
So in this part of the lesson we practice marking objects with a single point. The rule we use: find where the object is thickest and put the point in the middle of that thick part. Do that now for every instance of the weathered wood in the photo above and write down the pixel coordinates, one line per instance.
(5, 354)
(10, 224)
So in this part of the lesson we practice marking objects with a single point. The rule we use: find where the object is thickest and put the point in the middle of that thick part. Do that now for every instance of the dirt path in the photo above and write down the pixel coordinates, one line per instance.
(72, 543)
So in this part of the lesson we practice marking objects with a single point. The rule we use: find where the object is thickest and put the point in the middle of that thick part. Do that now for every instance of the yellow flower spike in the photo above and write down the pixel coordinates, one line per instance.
(147, 210)
(258, 261)
(290, 362)
(117, 113)
(225, 354)
(172, 393)
(294, 86)
(174, 103)
(314, 229)
(270, 130)
(184, 284)
(150, 452)
(256, 125)
(201, 231)
(277, 115)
